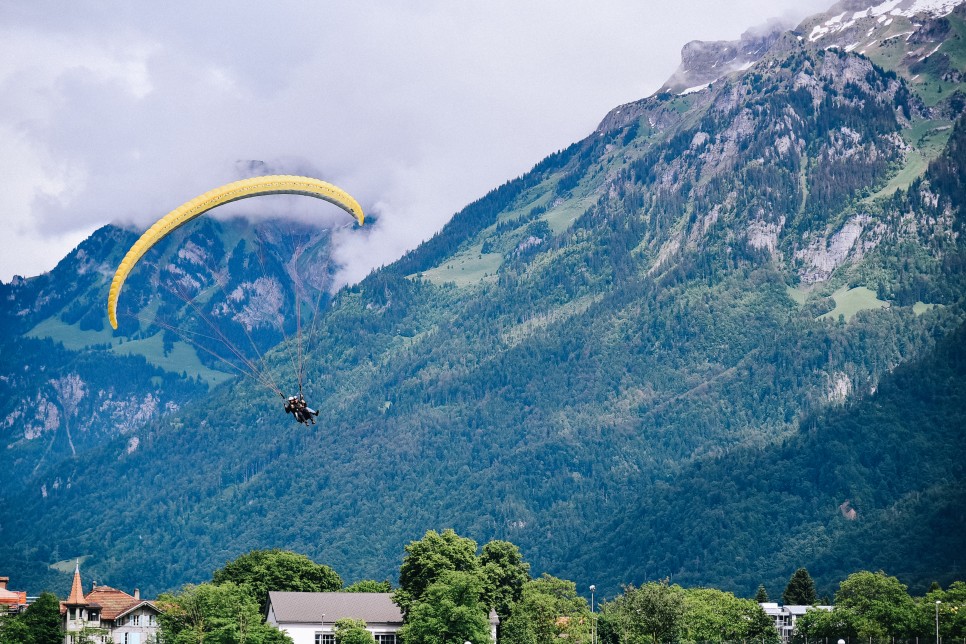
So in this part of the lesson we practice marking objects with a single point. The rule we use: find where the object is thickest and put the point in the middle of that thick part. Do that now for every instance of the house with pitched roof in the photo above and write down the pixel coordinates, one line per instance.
(11, 601)
(108, 615)
(308, 618)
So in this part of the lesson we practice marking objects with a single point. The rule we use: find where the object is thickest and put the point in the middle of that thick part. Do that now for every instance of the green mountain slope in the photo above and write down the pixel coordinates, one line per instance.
(70, 382)
(708, 277)
(876, 484)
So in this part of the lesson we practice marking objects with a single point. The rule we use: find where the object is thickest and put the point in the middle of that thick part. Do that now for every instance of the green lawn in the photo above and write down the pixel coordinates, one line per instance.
(70, 334)
(466, 268)
(921, 307)
(927, 138)
(798, 295)
(560, 218)
(67, 565)
(182, 358)
(851, 301)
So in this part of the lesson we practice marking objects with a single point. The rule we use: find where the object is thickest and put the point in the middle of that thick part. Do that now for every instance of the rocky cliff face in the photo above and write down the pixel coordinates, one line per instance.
(877, 29)
(703, 62)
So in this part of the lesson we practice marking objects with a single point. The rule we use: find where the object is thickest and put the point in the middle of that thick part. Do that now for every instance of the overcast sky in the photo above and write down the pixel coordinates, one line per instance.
(121, 111)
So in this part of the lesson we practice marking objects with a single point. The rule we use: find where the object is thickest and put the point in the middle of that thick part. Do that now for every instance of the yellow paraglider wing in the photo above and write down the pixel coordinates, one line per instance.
(254, 187)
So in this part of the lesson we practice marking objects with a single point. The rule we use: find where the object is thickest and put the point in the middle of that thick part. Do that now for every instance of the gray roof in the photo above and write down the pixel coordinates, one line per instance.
(373, 608)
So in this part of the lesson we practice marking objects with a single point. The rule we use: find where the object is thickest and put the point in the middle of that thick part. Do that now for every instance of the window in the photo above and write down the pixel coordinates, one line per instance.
(136, 619)
(324, 638)
(385, 638)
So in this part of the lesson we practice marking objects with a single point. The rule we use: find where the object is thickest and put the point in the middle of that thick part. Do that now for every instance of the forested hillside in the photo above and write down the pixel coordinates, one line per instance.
(714, 341)
(201, 309)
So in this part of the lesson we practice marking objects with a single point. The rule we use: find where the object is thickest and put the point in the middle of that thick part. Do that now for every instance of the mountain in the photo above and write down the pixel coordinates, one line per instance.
(71, 383)
(713, 341)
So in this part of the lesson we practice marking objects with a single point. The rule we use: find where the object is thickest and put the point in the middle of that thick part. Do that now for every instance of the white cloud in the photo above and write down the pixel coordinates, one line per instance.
(121, 111)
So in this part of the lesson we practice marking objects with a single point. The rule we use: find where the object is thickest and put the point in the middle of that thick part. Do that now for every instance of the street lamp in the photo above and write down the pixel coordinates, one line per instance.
(593, 617)
(937, 620)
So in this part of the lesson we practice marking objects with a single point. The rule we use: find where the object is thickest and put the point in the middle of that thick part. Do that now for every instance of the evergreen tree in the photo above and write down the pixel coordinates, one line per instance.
(800, 589)
(762, 595)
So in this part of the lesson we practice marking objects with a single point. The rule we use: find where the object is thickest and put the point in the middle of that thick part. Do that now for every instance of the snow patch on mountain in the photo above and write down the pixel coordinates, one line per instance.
(905, 8)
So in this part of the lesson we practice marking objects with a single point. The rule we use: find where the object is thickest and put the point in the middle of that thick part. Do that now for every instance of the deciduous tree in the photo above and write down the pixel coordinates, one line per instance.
(352, 631)
(653, 613)
(40, 623)
(369, 586)
(549, 610)
(713, 615)
(880, 603)
(450, 611)
(427, 559)
(263, 570)
(504, 573)
(209, 613)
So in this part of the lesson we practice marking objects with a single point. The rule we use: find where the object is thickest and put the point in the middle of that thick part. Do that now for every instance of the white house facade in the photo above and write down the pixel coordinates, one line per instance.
(308, 618)
(786, 617)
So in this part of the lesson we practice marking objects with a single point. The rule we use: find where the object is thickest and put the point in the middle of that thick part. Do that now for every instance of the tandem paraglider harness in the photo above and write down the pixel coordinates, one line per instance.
(297, 406)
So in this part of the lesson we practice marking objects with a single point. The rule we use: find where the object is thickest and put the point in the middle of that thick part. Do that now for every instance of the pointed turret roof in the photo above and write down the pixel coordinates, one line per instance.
(76, 597)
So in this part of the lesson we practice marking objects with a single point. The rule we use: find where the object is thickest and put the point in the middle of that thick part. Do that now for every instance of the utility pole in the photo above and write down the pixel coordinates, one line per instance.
(593, 617)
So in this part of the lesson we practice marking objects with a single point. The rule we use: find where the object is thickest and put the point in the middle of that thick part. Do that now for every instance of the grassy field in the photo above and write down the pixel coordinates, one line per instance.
(851, 301)
(921, 307)
(560, 218)
(927, 138)
(70, 335)
(466, 268)
(182, 358)
(798, 295)
(67, 565)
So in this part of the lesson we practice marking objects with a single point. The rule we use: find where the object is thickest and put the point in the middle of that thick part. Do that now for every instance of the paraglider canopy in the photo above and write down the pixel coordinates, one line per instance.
(254, 187)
